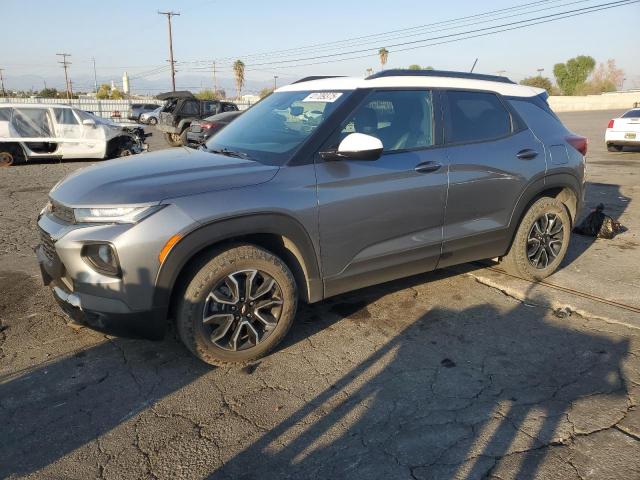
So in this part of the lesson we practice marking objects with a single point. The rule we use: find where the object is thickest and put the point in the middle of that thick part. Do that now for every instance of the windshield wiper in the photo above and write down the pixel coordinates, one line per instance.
(230, 153)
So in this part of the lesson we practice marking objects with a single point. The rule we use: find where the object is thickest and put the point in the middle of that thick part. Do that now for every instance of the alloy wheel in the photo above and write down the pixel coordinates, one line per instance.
(242, 310)
(6, 159)
(544, 242)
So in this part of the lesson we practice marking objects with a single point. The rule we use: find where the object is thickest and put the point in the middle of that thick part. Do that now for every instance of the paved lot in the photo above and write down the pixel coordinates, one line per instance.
(462, 373)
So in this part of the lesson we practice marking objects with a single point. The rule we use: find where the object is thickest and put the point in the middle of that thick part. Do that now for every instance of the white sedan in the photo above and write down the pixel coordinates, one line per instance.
(623, 131)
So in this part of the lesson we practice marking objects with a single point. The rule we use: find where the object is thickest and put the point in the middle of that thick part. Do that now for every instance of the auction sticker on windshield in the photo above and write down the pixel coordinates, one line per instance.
(327, 97)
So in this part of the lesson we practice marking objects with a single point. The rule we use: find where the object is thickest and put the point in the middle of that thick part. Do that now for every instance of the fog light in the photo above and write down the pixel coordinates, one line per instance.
(102, 257)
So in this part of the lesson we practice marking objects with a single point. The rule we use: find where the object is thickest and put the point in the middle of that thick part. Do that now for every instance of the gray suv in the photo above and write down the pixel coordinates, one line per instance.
(327, 185)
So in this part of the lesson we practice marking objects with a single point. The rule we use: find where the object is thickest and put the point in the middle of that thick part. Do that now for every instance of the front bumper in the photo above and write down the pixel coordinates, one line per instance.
(125, 304)
(110, 318)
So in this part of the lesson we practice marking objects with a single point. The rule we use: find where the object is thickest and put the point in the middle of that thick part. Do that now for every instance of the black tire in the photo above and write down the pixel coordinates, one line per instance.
(173, 139)
(517, 261)
(153, 121)
(196, 302)
(11, 154)
(614, 148)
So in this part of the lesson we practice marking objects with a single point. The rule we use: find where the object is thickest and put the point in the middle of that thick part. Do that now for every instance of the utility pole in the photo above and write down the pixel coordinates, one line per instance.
(95, 77)
(65, 65)
(173, 63)
(71, 88)
(275, 82)
(4, 94)
(215, 82)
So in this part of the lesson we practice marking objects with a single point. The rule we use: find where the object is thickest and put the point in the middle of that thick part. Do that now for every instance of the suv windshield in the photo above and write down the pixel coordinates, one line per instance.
(271, 131)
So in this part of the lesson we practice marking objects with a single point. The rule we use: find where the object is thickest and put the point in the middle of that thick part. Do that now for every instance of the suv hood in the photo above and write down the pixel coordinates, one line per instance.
(152, 177)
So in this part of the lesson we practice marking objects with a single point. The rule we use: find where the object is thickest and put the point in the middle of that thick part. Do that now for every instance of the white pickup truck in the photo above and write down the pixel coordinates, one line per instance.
(623, 131)
(50, 131)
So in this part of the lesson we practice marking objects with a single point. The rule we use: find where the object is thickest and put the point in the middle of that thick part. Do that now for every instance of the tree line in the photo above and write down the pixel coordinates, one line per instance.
(580, 76)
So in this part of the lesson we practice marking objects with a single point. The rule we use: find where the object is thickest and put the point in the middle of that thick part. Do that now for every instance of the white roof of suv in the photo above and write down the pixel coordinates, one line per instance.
(406, 78)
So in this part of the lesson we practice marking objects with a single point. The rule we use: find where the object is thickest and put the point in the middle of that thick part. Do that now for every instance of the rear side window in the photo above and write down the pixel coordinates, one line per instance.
(190, 108)
(542, 121)
(65, 116)
(5, 114)
(210, 108)
(476, 117)
(632, 114)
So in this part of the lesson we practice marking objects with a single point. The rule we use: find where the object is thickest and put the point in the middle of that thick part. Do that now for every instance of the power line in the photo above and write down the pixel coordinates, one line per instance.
(569, 14)
(171, 60)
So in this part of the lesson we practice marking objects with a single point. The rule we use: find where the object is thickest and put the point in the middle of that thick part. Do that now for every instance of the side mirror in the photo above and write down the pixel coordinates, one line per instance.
(89, 123)
(356, 146)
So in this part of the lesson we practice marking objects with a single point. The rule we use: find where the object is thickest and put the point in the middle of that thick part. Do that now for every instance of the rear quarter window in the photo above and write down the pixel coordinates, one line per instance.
(542, 121)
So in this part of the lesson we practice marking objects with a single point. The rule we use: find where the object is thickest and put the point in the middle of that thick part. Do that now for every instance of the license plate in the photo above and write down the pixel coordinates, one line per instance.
(630, 136)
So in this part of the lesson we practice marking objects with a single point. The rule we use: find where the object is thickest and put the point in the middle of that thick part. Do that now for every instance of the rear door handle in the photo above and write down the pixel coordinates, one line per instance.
(527, 154)
(427, 167)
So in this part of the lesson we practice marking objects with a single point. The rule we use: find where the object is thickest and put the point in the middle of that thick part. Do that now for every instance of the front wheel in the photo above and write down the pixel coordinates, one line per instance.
(614, 148)
(153, 121)
(173, 139)
(238, 305)
(541, 241)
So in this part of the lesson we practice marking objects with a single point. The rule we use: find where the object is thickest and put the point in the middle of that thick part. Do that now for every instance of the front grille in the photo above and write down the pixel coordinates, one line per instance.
(62, 212)
(47, 246)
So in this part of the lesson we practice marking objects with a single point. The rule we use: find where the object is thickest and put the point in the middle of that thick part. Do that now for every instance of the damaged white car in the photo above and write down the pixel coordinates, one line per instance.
(49, 131)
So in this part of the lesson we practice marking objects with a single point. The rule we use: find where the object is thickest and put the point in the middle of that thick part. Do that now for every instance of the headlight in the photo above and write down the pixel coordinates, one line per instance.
(114, 215)
(102, 257)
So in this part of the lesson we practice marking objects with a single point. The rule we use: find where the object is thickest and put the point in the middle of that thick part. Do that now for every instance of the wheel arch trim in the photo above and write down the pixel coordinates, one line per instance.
(294, 236)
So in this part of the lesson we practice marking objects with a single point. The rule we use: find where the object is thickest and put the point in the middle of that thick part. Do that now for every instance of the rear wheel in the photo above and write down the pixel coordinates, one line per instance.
(614, 148)
(541, 241)
(173, 139)
(183, 136)
(6, 159)
(11, 154)
(237, 306)
(153, 121)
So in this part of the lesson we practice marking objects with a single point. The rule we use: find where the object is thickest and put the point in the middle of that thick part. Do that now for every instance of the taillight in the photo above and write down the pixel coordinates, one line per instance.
(577, 142)
(611, 122)
(209, 125)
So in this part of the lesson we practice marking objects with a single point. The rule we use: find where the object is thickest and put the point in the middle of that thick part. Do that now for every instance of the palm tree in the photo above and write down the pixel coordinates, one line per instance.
(384, 56)
(238, 70)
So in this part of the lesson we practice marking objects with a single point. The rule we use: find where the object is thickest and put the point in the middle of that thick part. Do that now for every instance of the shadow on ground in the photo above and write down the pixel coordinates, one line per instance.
(451, 394)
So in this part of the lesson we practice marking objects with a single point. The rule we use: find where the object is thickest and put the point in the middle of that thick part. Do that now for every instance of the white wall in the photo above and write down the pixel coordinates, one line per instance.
(605, 101)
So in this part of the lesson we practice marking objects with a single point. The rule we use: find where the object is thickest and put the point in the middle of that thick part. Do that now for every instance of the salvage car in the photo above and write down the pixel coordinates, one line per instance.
(48, 131)
(201, 130)
(623, 131)
(181, 109)
(400, 173)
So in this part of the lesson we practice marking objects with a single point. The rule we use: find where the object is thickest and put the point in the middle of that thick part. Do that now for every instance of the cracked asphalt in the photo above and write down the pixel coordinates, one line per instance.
(439, 376)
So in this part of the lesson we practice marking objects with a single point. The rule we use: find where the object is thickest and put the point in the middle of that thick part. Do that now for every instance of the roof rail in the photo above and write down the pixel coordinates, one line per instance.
(316, 77)
(438, 73)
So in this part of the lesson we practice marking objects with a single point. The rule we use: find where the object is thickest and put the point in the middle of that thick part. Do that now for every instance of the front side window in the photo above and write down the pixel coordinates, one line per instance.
(210, 108)
(401, 119)
(65, 116)
(476, 117)
(272, 130)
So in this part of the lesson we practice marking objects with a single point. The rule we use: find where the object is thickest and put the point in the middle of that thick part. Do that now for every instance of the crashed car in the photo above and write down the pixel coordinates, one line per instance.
(181, 109)
(49, 131)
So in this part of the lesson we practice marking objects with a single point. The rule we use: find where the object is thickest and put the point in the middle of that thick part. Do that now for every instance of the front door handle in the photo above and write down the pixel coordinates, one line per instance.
(527, 154)
(427, 167)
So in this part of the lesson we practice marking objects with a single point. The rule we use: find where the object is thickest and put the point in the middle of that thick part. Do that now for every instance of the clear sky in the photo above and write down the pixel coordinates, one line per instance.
(130, 35)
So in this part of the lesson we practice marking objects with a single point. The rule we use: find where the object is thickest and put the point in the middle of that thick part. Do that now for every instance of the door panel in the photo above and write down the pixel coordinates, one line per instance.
(382, 219)
(485, 181)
